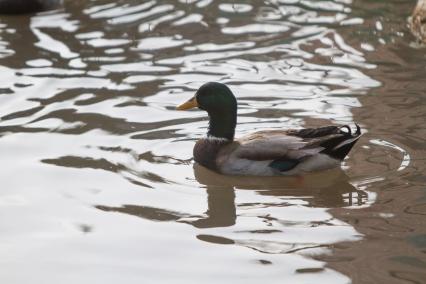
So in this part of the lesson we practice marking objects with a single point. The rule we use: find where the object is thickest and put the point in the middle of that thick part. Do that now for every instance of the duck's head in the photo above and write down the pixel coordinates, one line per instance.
(221, 105)
(211, 97)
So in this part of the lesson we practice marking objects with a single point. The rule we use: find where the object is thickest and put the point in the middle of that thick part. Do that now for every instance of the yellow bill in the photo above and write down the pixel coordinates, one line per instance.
(187, 105)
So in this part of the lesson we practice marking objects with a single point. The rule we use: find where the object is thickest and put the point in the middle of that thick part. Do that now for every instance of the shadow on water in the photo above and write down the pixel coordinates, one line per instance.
(328, 189)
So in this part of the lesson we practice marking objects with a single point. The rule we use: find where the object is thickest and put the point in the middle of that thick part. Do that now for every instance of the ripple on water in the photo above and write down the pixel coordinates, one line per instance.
(99, 164)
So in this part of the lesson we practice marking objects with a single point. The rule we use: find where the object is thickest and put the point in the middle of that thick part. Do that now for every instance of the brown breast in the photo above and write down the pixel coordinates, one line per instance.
(206, 151)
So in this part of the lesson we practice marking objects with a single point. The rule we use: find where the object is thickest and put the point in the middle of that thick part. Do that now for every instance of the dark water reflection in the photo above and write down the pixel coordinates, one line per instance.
(327, 189)
(98, 182)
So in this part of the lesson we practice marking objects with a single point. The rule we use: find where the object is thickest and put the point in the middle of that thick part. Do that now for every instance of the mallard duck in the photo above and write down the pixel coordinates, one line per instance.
(267, 152)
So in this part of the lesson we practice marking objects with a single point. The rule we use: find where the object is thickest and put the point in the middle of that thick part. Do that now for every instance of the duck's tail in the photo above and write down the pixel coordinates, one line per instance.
(345, 144)
(335, 141)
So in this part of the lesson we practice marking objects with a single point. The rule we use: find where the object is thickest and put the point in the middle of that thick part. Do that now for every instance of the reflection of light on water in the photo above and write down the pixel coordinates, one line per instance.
(235, 8)
(92, 117)
(406, 157)
(358, 201)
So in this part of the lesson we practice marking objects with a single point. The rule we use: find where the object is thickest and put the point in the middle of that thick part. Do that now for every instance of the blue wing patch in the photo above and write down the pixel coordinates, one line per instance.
(284, 164)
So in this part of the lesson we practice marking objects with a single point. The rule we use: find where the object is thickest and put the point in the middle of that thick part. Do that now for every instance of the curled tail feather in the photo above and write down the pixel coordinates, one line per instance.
(344, 144)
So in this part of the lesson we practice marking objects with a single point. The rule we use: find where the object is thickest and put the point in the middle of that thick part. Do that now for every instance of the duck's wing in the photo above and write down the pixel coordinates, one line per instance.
(284, 150)
(265, 145)
(280, 151)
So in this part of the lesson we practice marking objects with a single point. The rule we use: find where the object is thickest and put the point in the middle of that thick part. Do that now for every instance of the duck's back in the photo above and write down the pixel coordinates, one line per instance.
(291, 152)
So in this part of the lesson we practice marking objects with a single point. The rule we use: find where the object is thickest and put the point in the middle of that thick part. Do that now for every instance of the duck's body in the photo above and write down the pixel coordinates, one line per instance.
(268, 152)
(276, 152)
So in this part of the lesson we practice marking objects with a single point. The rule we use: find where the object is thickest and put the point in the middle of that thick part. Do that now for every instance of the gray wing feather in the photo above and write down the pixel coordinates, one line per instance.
(262, 146)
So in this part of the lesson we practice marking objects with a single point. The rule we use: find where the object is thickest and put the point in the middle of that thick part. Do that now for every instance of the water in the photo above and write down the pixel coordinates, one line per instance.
(98, 182)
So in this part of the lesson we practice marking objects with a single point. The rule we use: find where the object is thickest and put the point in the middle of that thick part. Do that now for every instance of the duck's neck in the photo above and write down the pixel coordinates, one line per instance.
(222, 125)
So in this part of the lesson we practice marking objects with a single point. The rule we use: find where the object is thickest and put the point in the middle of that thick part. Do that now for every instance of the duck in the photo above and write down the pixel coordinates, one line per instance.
(417, 21)
(275, 152)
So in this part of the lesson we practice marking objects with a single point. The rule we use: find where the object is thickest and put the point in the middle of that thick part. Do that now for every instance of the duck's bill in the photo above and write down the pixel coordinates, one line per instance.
(188, 105)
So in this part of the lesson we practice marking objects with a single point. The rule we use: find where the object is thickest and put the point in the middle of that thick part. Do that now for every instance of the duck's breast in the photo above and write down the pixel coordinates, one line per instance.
(206, 150)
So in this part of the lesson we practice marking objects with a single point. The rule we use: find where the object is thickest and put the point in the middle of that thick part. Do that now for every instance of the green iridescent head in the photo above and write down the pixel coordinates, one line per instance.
(221, 105)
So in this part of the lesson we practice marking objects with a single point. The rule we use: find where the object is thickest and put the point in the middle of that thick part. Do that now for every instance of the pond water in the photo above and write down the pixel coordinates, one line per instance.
(97, 178)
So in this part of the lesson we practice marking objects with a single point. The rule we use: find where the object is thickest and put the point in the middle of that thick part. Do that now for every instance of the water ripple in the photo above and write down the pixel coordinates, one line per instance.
(91, 142)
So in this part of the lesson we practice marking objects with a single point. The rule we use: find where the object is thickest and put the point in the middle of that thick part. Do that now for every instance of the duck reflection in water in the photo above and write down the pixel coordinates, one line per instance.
(327, 189)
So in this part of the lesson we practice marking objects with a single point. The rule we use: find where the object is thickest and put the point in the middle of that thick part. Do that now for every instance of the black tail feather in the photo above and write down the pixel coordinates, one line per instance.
(339, 148)
(358, 129)
(341, 152)
(340, 142)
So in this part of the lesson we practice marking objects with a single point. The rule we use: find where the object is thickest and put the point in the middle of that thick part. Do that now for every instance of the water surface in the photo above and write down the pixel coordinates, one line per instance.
(98, 181)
